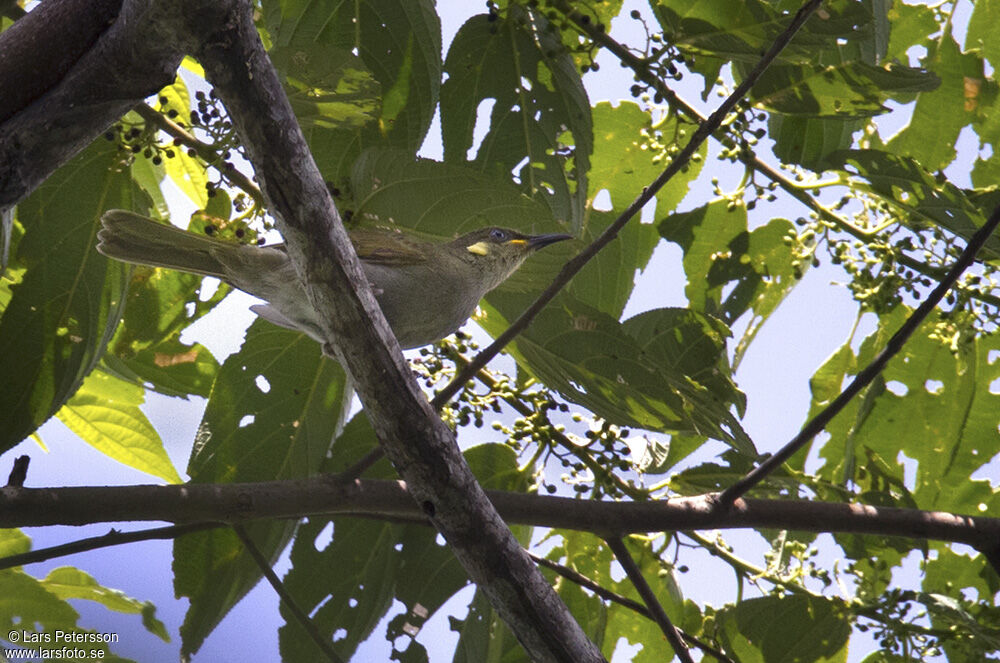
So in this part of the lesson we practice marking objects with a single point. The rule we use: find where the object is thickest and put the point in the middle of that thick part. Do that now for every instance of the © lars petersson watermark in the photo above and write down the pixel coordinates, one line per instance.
(57, 645)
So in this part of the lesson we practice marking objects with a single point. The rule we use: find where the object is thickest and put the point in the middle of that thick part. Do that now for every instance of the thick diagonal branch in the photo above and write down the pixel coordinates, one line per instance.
(223, 37)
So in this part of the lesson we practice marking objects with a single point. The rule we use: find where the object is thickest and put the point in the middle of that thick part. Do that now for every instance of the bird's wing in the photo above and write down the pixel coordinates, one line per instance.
(387, 248)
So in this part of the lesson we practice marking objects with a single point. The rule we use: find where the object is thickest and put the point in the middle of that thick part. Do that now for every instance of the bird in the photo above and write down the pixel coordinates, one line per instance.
(426, 290)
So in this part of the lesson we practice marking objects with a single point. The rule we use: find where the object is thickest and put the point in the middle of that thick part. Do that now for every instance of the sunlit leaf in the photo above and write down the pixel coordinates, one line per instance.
(105, 413)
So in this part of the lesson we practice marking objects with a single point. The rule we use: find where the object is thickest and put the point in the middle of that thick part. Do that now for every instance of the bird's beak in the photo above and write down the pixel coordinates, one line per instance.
(538, 241)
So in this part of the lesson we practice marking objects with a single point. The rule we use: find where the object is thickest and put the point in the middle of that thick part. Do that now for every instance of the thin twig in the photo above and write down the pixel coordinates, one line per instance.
(571, 268)
(300, 616)
(112, 538)
(357, 469)
(865, 376)
(19, 472)
(649, 598)
(521, 408)
(203, 150)
(614, 597)
(584, 581)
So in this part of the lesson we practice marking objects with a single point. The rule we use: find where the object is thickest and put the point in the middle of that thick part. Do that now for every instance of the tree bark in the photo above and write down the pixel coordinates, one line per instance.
(223, 37)
(389, 500)
(58, 104)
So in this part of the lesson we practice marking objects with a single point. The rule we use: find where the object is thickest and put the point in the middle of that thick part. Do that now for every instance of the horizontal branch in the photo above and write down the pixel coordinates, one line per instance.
(388, 500)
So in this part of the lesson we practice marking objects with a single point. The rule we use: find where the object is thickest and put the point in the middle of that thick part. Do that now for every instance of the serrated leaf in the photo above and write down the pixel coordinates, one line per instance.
(849, 89)
(67, 582)
(348, 583)
(29, 609)
(809, 141)
(788, 629)
(397, 41)
(273, 413)
(64, 311)
(940, 114)
(592, 359)
(540, 126)
(105, 413)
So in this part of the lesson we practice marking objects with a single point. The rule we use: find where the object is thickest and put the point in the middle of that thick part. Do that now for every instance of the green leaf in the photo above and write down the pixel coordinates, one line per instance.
(950, 572)
(540, 126)
(622, 166)
(67, 582)
(397, 44)
(849, 89)
(940, 114)
(31, 609)
(809, 141)
(439, 200)
(627, 158)
(335, 91)
(718, 251)
(606, 282)
(789, 629)
(911, 26)
(917, 197)
(959, 614)
(105, 413)
(624, 622)
(348, 583)
(740, 30)
(593, 360)
(938, 410)
(484, 637)
(147, 349)
(64, 311)
(13, 542)
(688, 343)
(714, 239)
(981, 34)
(186, 172)
(148, 177)
(273, 413)
(606, 625)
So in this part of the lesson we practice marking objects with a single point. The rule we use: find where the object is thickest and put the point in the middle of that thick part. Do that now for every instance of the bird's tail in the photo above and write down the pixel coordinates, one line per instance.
(130, 237)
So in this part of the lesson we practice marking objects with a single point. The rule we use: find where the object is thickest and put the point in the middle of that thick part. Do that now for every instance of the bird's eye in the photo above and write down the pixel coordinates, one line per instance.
(498, 235)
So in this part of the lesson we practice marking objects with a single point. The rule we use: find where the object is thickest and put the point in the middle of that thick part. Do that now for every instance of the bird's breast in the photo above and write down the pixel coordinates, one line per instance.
(421, 306)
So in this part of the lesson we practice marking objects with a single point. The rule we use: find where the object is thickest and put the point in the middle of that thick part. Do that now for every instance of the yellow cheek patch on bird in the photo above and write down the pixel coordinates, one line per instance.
(479, 248)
